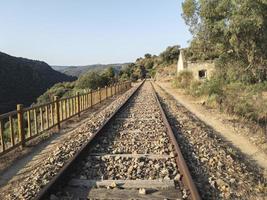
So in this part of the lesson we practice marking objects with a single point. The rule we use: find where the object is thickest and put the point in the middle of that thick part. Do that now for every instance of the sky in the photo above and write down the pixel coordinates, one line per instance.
(81, 32)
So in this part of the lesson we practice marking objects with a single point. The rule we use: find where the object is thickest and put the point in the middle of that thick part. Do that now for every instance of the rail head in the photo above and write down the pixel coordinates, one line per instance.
(186, 178)
(43, 194)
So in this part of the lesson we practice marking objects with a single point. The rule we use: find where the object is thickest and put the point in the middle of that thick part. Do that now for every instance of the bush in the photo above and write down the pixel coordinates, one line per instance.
(59, 89)
(124, 77)
(134, 77)
(239, 98)
(184, 79)
(108, 76)
(90, 80)
(170, 55)
(214, 101)
(246, 101)
(212, 89)
(212, 86)
(236, 70)
(195, 88)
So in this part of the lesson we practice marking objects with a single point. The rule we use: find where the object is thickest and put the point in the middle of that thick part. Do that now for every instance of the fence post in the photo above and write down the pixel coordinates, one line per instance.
(2, 134)
(78, 103)
(99, 93)
(21, 125)
(117, 88)
(56, 99)
(87, 98)
(91, 98)
(106, 88)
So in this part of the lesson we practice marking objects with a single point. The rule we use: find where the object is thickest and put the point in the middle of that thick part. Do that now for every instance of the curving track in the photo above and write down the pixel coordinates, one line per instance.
(133, 156)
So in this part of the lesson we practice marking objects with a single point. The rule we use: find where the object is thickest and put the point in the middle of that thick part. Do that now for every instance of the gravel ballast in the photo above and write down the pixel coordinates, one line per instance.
(219, 169)
(133, 146)
(29, 187)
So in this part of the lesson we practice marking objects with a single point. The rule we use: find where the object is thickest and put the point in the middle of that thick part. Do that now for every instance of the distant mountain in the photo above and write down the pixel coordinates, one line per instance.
(23, 80)
(79, 70)
(59, 68)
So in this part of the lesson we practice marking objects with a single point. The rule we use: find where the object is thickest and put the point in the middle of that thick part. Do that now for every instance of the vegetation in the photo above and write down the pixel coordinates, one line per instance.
(65, 89)
(23, 80)
(233, 34)
(233, 31)
(247, 101)
(183, 79)
(149, 65)
(90, 80)
(78, 71)
(143, 68)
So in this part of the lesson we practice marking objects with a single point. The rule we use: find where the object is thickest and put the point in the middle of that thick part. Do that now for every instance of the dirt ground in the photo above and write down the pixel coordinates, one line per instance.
(221, 123)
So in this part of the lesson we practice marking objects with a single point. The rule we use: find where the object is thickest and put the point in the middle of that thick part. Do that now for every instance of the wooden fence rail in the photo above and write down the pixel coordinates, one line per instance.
(20, 126)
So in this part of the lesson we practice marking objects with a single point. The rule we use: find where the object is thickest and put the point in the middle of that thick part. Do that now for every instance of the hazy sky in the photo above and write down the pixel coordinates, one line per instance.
(80, 32)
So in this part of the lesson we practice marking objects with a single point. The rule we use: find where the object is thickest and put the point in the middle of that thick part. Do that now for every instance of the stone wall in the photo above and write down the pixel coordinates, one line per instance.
(201, 70)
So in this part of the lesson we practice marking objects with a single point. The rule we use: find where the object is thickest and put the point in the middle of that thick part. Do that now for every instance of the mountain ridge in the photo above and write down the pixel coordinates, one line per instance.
(22, 80)
(81, 69)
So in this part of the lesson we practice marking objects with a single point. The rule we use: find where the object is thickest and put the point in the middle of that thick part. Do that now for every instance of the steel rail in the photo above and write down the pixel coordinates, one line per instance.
(62, 175)
(186, 176)
(71, 163)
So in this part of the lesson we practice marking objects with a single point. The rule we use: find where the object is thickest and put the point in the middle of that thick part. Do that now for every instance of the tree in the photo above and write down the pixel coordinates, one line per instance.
(124, 77)
(108, 76)
(90, 80)
(59, 89)
(148, 55)
(170, 55)
(191, 15)
(231, 29)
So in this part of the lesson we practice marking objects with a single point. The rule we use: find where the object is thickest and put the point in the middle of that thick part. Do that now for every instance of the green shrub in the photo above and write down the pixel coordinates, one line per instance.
(184, 79)
(90, 80)
(246, 101)
(59, 89)
(134, 77)
(213, 101)
(124, 77)
(212, 86)
(152, 72)
(239, 98)
(195, 88)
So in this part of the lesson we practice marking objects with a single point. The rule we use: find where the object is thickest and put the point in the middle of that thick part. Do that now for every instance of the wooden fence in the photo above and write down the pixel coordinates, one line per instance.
(20, 126)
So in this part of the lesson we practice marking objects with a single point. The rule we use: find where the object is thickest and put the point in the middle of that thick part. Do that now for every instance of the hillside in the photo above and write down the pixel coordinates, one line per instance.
(79, 70)
(23, 80)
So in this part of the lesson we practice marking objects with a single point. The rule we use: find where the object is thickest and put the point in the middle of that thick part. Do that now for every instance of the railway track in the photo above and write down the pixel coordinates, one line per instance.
(134, 155)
